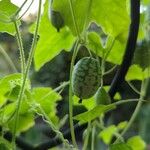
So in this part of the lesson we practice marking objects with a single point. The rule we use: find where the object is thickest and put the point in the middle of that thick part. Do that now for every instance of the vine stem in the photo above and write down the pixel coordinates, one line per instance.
(20, 45)
(104, 57)
(125, 101)
(93, 138)
(8, 59)
(26, 73)
(18, 11)
(26, 10)
(133, 87)
(109, 49)
(137, 109)
(86, 140)
(110, 70)
(71, 70)
(70, 96)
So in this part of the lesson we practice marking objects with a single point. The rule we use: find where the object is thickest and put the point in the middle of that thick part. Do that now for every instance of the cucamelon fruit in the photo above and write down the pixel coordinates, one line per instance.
(86, 77)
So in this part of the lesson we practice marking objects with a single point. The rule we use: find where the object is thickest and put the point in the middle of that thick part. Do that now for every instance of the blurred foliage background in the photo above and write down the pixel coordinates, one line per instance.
(57, 70)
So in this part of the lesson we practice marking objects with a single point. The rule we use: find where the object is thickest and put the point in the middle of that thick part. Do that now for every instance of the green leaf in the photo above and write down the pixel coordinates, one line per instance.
(144, 122)
(107, 134)
(102, 97)
(7, 112)
(26, 117)
(120, 146)
(88, 103)
(6, 10)
(116, 53)
(7, 7)
(93, 113)
(122, 125)
(98, 13)
(13, 94)
(8, 84)
(104, 12)
(136, 143)
(94, 43)
(25, 122)
(7, 27)
(145, 2)
(117, 95)
(117, 27)
(50, 42)
(47, 98)
(142, 55)
(4, 144)
(141, 33)
(136, 73)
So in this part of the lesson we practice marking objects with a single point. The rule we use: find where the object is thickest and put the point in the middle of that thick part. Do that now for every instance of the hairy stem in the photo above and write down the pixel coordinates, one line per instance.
(18, 11)
(21, 93)
(20, 45)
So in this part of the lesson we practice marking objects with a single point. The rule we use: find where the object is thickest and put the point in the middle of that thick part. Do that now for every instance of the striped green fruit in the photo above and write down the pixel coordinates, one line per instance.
(86, 77)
